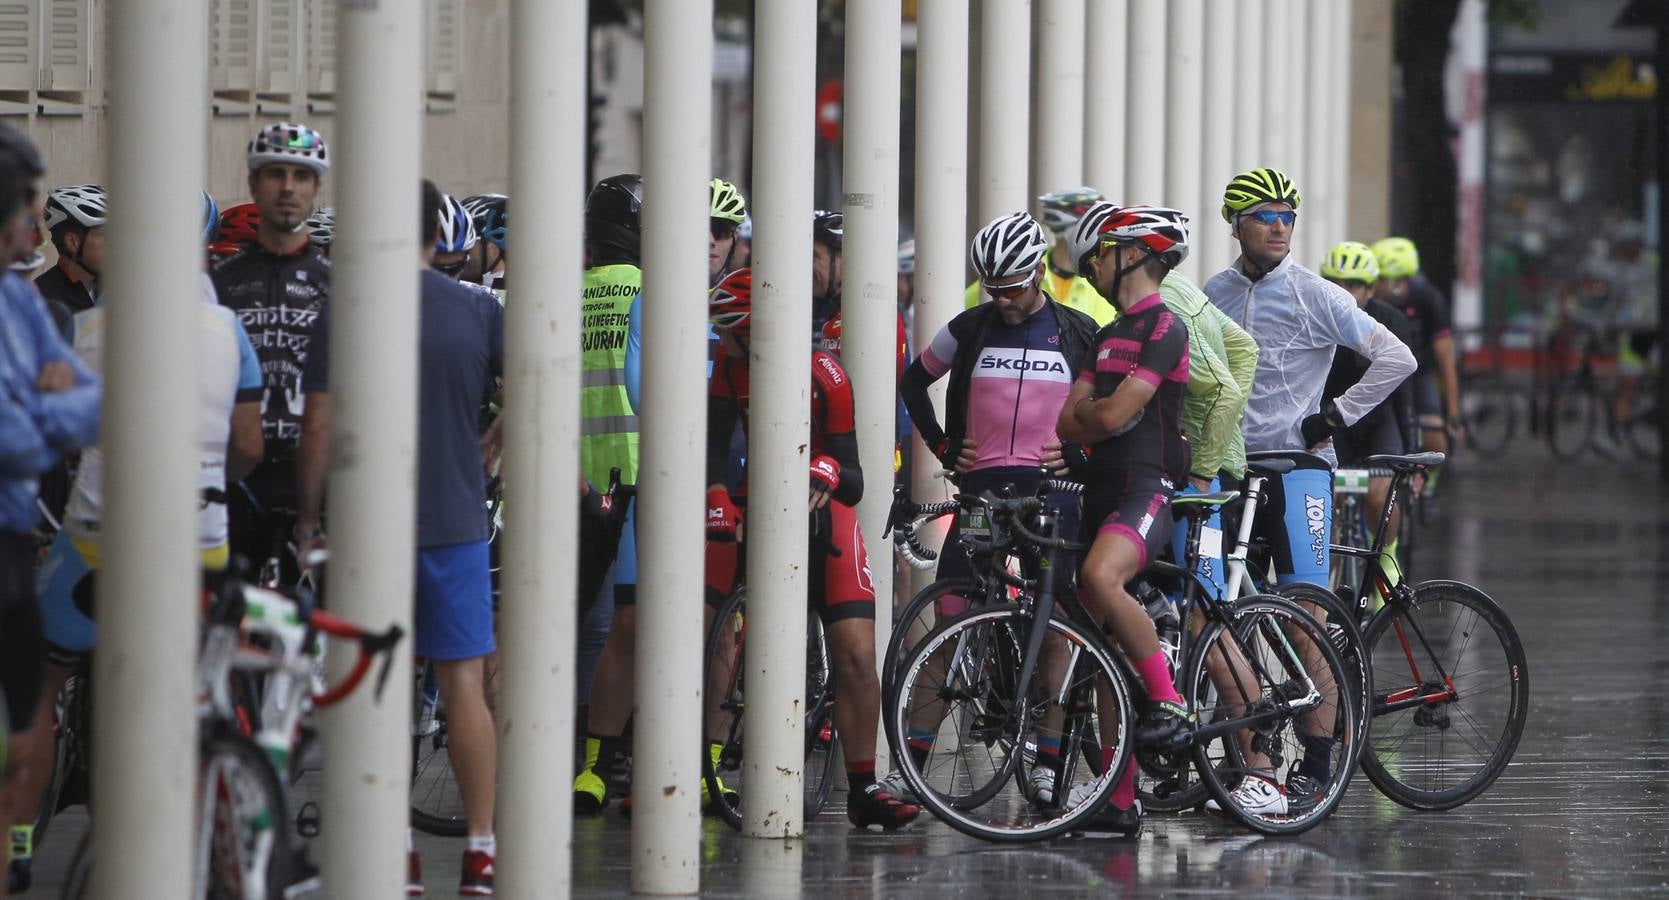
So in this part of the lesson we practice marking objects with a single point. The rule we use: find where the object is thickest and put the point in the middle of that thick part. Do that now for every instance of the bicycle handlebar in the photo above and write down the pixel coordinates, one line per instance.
(371, 645)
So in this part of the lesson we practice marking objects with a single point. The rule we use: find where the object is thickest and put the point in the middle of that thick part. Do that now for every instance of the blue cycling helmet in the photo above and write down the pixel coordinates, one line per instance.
(457, 230)
(211, 217)
(491, 215)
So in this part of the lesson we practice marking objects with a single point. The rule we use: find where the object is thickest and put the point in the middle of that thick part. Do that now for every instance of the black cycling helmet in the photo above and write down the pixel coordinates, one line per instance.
(614, 221)
(829, 229)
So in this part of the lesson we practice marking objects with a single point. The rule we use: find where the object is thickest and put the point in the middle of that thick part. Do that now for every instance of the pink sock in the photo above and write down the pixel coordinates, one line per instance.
(1156, 677)
(1125, 793)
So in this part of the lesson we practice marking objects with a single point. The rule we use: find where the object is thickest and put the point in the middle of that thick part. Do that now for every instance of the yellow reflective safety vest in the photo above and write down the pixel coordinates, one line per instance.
(608, 424)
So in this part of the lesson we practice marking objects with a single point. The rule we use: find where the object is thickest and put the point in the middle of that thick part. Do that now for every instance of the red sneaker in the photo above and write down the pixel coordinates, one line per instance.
(476, 880)
(414, 874)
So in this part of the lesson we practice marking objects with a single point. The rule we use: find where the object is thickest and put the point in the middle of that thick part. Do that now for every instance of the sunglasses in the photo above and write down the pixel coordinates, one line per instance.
(1270, 217)
(1009, 291)
(451, 269)
(721, 230)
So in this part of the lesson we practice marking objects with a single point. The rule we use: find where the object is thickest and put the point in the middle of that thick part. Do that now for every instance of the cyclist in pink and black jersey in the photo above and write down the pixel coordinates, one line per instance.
(1127, 405)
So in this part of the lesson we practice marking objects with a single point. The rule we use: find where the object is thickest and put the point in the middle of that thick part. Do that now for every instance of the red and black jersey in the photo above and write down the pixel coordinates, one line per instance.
(833, 424)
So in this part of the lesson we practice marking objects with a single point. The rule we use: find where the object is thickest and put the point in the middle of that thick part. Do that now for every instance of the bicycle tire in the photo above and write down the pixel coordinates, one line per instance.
(78, 881)
(436, 802)
(730, 616)
(1342, 630)
(260, 805)
(1263, 626)
(1641, 429)
(1452, 609)
(69, 747)
(918, 617)
(1490, 411)
(1572, 413)
(1014, 819)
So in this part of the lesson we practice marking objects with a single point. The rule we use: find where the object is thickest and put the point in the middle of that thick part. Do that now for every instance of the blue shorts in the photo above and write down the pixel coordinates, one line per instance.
(69, 631)
(1296, 518)
(454, 602)
(1210, 568)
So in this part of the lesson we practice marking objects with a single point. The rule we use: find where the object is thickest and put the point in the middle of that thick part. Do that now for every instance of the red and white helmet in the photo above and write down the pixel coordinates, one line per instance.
(1161, 230)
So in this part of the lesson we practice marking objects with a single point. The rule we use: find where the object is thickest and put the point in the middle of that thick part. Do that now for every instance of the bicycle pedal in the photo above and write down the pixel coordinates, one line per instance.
(307, 820)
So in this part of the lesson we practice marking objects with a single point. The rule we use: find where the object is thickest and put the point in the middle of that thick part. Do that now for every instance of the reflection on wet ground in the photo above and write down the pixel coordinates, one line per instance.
(1578, 555)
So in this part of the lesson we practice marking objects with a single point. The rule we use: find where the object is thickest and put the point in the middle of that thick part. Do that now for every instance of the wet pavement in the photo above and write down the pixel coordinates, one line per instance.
(1579, 557)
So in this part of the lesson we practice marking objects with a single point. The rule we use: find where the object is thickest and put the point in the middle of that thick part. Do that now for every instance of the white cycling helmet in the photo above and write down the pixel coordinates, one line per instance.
(84, 204)
(1008, 246)
(457, 227)
(287, 142)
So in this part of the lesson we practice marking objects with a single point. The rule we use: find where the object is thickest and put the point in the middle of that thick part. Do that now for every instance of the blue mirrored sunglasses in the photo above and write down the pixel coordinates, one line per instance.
(1271, 216)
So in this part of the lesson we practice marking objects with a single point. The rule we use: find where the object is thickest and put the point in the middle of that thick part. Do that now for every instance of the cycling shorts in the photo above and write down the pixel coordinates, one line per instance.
(954, 562)
(1379, 434)
(454, 602)
(1295, 517)
(66, 596)
(1428, 404)
(1210, 568)
(838, 585)
(622, 576)
(22, 649)
(1134, 505)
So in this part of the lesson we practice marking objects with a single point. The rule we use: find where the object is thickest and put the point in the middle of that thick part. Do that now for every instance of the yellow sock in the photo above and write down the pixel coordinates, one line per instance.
(1393, 572)
(593, 748)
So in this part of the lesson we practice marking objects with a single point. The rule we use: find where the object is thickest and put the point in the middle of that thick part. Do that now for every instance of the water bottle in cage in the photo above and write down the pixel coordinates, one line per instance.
(1167, 621)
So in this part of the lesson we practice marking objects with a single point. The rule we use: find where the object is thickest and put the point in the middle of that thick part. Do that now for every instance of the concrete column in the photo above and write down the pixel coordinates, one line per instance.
(373, 368)
(1212, 245)
(1144, 168)
(1058, 136)
(941, 203)
(538, 617)
(677, 123)
(145, 729)
(1270, 83)
(1344, 93)
(1249, 114)
(1315, 134)
(1184, 116)
(1106, 77)
(779, 419)
(1466, 85)
(1369, 167)
(869, 267)
(1004, 108)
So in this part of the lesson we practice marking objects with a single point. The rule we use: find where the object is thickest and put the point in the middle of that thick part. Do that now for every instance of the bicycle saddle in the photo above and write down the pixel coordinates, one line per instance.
(1411, 462)
(1270, 466)
(1202, 506)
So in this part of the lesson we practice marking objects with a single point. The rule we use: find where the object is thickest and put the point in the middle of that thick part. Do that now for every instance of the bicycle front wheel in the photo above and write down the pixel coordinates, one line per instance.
(437, 803)
(1451, 693)
(243, 827)
(972, 739)
(1572, 411)
(931, 605)
(1277, 672)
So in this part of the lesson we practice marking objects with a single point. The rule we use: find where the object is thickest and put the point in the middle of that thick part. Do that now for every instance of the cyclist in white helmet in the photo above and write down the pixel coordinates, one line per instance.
(1011, 363)
(1061, 280)
(75, 221)
(457, 238)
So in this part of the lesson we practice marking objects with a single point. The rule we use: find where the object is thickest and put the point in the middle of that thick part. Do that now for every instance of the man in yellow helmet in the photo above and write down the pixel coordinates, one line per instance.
(1436, 383)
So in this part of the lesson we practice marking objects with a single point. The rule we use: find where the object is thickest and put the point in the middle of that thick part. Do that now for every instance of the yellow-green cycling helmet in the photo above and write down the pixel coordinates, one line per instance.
(1350, 261)
(726, 202)
(1397, 257)
(1264, 185)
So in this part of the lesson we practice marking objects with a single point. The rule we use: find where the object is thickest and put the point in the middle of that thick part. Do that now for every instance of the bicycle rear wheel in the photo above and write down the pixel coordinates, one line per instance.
(437, 803)
(722, 683)
(972, 741)
(1572, 411)
(1451, 693)
(243, 826)
(1641, 428)
(1276, 663)
(1489, 411)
